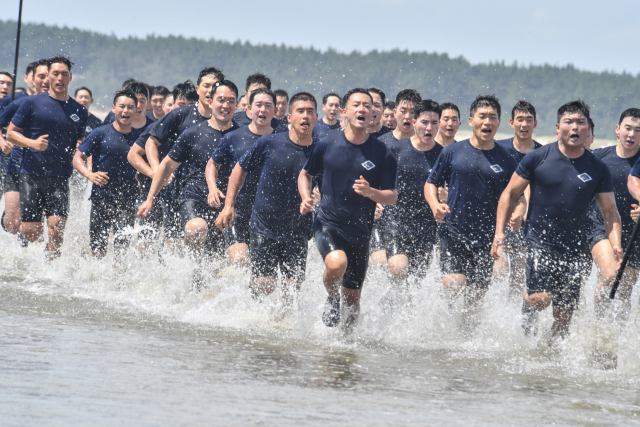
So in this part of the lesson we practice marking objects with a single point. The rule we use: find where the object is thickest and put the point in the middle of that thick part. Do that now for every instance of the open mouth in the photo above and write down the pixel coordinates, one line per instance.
(360, 118)
(406, 124)
(428, 135)
(486, 132)
(304, 126)
(574, 137)
(125, 117)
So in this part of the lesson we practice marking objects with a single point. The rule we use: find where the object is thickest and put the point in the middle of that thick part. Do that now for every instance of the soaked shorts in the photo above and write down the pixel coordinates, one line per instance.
(12, 182)
(560, 274)
(191, 209)
(328, 240)
(475, 263)
(239, 233)
(110, 218)
(268, 254)
(416, 247)
(43, 196)
(377, 242)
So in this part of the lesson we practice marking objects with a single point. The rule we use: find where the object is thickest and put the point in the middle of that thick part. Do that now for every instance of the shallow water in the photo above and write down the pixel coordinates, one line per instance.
(86, 342)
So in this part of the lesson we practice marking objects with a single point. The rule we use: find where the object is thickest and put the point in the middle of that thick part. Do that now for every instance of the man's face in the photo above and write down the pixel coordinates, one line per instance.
(427, 126)
(449, 123)
(358, 111)
(41, 79)
(389, 119)
(332, 108)
(303, 117)
(142, 105)
(6, 85)
(485, 124)
(404, 116)
(223, 104)
(59, 78)
(628, 133)
(168, 104)
(377, 108)
(242, 106)
(262, 109)
(181, 102)
(84, 99)
(124, 109)
(28, 79)
(157, 102)
(204, 88)
(523, 124)
(281, 107)
(573, 129)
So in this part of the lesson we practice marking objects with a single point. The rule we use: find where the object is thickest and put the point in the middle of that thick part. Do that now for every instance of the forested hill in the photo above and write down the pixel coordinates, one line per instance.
(103, 62)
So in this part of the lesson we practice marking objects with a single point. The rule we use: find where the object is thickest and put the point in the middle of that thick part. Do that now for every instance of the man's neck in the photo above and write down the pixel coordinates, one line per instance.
(398, 134)
(440, 139)
(374, 128)
(158, 116)
(329, 122)
(482, 145)
(260, 130)
(572, 152)
(523, 145)
(304, 139)
(624, 153)
(204, 109)
(122, 128)
(356, 136)
(138, 122)
(421, 145)
(59, 96)
(31, 91)
(218, 125)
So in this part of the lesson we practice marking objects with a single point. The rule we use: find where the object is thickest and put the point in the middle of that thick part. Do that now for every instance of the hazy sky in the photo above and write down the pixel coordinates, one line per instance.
(591, 34)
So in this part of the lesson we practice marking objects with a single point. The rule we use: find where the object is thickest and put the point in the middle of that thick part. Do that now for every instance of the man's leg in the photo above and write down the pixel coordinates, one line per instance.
(293, 265)
(606, 265)
(357, 264)
(195, 236)
(57, 209)
(11, 219)
(264, 266)
(378, 254)
(99, 230)
(332, 249)
(517, 269)
(55, 225)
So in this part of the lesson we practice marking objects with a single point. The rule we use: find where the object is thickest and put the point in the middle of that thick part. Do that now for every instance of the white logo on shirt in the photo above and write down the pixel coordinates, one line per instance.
(75, 118)
(496, 168)
(368, 165)
(584, 177)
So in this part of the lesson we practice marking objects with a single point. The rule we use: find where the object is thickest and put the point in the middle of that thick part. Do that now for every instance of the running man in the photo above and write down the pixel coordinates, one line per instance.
(282, 101)
(406, 101)
(158, 95)
(388, 118)
(376, 128)
(564, 178)
(49, 126)
(477, 171)
(449, 124)
(279, 234)
(243, 118)
(28, 79)
(331, 109)
(358, 171)
(84, 97)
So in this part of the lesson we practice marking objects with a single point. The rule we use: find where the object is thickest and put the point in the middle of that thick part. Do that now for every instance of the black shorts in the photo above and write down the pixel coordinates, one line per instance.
(108, 218)
(515, 238)
(171, 219)
(268, 254)
(239, 233)
(560, 274)
(191, 209)
(456, 257)
(11, 182)
(377, 242)
(43, 195)
(328, 240)
(417, 247)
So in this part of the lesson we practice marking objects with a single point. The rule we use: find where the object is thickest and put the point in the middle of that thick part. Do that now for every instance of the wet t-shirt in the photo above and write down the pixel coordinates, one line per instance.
(4, 102)
(241, 119)
(383, 131)
(13, 161)
(63, 121)
(388, 138)
(193, 149)
(476, 179)
(109, 149)
(561, 191)
(507, 144)
(320, 129)
(411, 213)
(92, 123)
(171, 126)
(341, 163)
(276, 211)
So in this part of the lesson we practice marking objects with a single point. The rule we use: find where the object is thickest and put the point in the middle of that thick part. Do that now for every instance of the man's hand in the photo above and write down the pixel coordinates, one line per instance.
(145, 208)
(307, 206)
(497, 248)
(226, 218)
(214, 197)
(40, 144)
(516, 221)
(362, 187)
(5, 146)
(635, 213)
(618, 254)
(316, 195)
(379, 211)
(99, 178)
(443, 194)
(440, 211)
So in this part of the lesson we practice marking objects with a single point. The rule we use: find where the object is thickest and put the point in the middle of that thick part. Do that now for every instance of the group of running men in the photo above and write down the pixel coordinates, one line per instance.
(373, 182)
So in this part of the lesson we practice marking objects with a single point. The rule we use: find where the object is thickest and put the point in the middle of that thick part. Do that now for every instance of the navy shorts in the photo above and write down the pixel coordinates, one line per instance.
(328, 240)
(417, 247)
(456, 257)
(12, 182)
(239, 233)
(268, 254)
(559, 273)
(191, 209)
(43, 196)
(108, 218)
(515, 238)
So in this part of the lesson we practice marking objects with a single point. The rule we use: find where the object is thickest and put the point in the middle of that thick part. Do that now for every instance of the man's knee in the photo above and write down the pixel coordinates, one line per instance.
(31, 231)
(398, 265)
(336, 262)
(539, 301)
(196, 227)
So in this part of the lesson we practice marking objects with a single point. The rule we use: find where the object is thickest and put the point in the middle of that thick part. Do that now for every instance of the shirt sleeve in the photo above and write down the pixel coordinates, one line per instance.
(181, 149)
(635, 170)
(441, 171)
(22, 117)
(254, 158)
(315, 162)
(220, 154)
(606, 185)
(91, 143)
(527, 165)
(165, 127)
(389, 171)
(7, 114)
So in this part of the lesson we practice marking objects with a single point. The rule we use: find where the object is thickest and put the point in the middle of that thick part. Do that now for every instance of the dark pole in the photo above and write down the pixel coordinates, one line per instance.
(15, 64)
(627, 252)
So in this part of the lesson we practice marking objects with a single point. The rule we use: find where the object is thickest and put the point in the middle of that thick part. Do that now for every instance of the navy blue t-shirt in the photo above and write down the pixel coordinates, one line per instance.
(476, 180)
(320, 129)
(92, 123)
(383, 131)
(341, 163)
(111, 117)
(7, 99)
(561, 191)
(194, 149)
(145, 181)
(388, 138)
(411, 213)
(13, 161)
(63, 121)
(109, 149)
(173, 124)
(232, 147)
(276, 211)
(620, 169)
(241, 119)
(507, 144)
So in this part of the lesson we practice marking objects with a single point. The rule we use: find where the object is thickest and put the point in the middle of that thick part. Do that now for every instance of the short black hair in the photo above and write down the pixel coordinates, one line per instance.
(389, 105)
(6, 73)
(379, 93)
(303, 96)
(634, 113)
(281, 93)
(241, 96)
(345, 98)
(139, 88)
(592, 126)
(450, 106)
(160, 91)
(226, 83)
(185, 90)
(262, 90)
(408, 95)
(31, 68)
(83, 88)
(426, 106)
(257, 78)
(127, 93)
(59, 59)
(577, 106)
(126, 83)
(325, 98)
(524, 107)
(484, 101)
(41, 62)
(210, 71)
